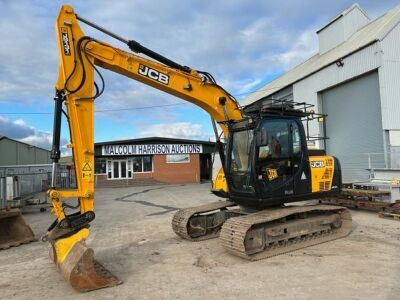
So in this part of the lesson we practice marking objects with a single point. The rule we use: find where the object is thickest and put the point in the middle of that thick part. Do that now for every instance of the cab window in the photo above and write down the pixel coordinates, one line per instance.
(274, 152)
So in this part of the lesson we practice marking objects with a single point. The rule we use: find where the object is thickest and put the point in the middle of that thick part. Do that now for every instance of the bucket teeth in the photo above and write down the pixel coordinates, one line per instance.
(83, 272)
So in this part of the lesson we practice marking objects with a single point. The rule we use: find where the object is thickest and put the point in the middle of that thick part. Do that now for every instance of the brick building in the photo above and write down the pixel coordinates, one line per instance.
(153, 159)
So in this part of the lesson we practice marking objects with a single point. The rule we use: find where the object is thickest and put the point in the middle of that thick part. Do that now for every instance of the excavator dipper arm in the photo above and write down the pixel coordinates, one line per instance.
(75, 88)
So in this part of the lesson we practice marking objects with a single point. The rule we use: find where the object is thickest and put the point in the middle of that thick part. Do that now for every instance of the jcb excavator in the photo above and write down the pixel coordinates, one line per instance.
(265, 160)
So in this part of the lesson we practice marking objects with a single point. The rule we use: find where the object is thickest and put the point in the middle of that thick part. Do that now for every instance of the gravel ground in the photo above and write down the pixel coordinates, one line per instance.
(132, 237)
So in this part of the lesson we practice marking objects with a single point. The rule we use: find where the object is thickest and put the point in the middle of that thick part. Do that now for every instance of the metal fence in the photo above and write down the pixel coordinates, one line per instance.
(394, 157)
(3, 196)
(66, 178)
(19, 182)
(390, 167)
(391, 159)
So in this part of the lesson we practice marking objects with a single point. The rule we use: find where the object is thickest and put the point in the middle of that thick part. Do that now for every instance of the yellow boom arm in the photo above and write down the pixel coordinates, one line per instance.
(75, 87)
(191, 87)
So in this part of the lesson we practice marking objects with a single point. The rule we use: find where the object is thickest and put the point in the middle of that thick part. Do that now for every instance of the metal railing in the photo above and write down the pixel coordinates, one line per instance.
(3, 195)
(391, 161)
(22, 182)
(65, 179)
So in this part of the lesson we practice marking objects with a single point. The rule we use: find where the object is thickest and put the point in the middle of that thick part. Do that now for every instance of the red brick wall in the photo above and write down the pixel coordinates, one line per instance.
(176, 172)
(103, 177)
(163, 172)
(143, 175)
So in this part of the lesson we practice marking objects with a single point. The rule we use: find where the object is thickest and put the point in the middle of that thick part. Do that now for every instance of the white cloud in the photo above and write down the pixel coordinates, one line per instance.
(20, 122)
(251, 36)
(29, 58)
(21, 131)
(183, 130)
(247, 85)
(239, 42)
(303, 48)
(15, 129)
(123, 93)
(39, 139)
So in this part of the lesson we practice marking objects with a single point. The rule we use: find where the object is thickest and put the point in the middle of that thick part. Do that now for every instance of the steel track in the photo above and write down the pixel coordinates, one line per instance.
(181, 218)
(234, 231)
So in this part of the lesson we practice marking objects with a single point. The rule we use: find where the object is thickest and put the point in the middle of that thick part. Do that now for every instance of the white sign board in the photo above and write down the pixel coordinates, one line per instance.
(178, 158)
(151, 149)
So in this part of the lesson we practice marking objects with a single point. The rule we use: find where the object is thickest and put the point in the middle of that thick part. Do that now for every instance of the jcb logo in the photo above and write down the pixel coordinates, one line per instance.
(272, 174)
(317, 164)
(65, 40)
(153, 74)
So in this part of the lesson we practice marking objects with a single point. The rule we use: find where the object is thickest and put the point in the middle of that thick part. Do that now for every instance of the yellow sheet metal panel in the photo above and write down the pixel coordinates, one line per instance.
(322, 168)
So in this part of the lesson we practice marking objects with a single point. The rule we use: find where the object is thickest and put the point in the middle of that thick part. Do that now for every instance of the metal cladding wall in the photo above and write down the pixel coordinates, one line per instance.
(361, 62)
(389, 77)
(331, 36)
(284, 94)
(372, 48)
(354, 125)
(341, 29)
(17, 153)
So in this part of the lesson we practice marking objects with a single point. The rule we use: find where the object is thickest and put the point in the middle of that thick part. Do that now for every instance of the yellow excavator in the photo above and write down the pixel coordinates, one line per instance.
(265, 160)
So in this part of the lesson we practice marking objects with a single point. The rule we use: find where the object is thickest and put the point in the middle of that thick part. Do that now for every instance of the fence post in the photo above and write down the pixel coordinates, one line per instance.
(369, 167)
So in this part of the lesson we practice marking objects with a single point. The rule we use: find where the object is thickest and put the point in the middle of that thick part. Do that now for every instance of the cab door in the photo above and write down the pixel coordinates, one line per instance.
(277, 157)
(300, 160)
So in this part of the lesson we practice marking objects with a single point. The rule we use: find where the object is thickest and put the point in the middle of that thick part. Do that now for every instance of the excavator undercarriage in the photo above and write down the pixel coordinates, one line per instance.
(265, 233)
(202, 222)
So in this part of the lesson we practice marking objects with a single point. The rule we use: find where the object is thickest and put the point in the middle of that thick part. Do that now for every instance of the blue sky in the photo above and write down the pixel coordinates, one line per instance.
(244, 44)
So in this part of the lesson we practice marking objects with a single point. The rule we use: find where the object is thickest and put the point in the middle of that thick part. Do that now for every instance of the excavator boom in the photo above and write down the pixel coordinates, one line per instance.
(79, 56)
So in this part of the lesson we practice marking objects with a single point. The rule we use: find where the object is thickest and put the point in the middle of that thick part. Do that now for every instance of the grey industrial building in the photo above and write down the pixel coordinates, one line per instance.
(24, 169)
(354, 79)
(14, 152)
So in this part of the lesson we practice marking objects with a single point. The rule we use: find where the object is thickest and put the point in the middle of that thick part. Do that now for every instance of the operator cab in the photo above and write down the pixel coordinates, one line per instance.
(267, 158)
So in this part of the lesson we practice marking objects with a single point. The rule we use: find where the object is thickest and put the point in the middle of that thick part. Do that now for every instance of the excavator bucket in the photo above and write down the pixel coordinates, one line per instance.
(80, 269)
(14, 231)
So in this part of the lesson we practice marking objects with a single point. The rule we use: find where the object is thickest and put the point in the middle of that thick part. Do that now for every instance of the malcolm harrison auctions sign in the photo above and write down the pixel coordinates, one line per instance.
(151, 149)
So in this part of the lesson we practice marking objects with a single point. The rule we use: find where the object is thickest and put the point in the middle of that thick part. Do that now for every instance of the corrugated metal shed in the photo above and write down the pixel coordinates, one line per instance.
(373, 32)
(389, 77)
(341, 28)
(13, 152)
(342, 14)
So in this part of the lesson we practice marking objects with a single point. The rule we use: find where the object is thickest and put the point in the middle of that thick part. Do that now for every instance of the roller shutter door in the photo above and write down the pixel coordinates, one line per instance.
(354, 125)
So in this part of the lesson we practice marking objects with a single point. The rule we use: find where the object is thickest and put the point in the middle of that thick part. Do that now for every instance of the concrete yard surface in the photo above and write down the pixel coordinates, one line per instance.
(132, 237)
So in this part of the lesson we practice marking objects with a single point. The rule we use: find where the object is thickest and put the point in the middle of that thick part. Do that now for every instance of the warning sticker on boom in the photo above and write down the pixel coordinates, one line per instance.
(87, 170)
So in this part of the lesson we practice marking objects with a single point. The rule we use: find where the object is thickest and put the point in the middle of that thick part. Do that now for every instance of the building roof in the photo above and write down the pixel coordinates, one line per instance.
(374, 31)
(345, 12)
(155, 139)
(3, 137)
(66, 159)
